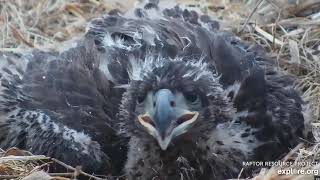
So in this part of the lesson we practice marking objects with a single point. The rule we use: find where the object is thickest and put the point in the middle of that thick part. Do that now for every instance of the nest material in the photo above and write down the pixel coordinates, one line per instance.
(288, 29)
(20, 164)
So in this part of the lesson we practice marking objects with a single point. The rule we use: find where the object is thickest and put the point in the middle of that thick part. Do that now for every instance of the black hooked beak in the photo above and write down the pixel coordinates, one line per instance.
(167, 118)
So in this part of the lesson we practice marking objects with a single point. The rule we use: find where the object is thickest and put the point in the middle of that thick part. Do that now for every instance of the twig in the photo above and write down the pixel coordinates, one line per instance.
(62, 174)
(18, 35)
(75, 169)
(299, 146)
(40, 167)
(9, 176)
(59, 178)
(268, 36)
(250, 15)
(22, 158)
(240, 173)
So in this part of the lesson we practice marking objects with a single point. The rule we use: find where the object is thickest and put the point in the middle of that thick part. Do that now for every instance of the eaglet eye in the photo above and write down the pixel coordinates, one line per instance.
(140, 99)
(191, 96)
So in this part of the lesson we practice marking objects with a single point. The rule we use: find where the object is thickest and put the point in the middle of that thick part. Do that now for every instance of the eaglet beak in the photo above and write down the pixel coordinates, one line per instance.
(167, 118)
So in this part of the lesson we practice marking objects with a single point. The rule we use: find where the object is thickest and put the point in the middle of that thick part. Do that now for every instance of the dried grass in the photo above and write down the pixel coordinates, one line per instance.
(20, 164)
(288, 29)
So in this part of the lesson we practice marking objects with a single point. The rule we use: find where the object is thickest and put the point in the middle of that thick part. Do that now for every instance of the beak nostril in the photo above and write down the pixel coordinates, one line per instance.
(172, 104)
(154, 104)
(185, 118)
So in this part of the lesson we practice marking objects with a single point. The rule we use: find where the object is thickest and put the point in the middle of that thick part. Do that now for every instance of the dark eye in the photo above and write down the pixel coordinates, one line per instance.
(140, 99)
(191, 96)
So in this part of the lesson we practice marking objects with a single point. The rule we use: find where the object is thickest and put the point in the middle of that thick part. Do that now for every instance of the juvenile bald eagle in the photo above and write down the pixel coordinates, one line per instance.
(166, 97)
